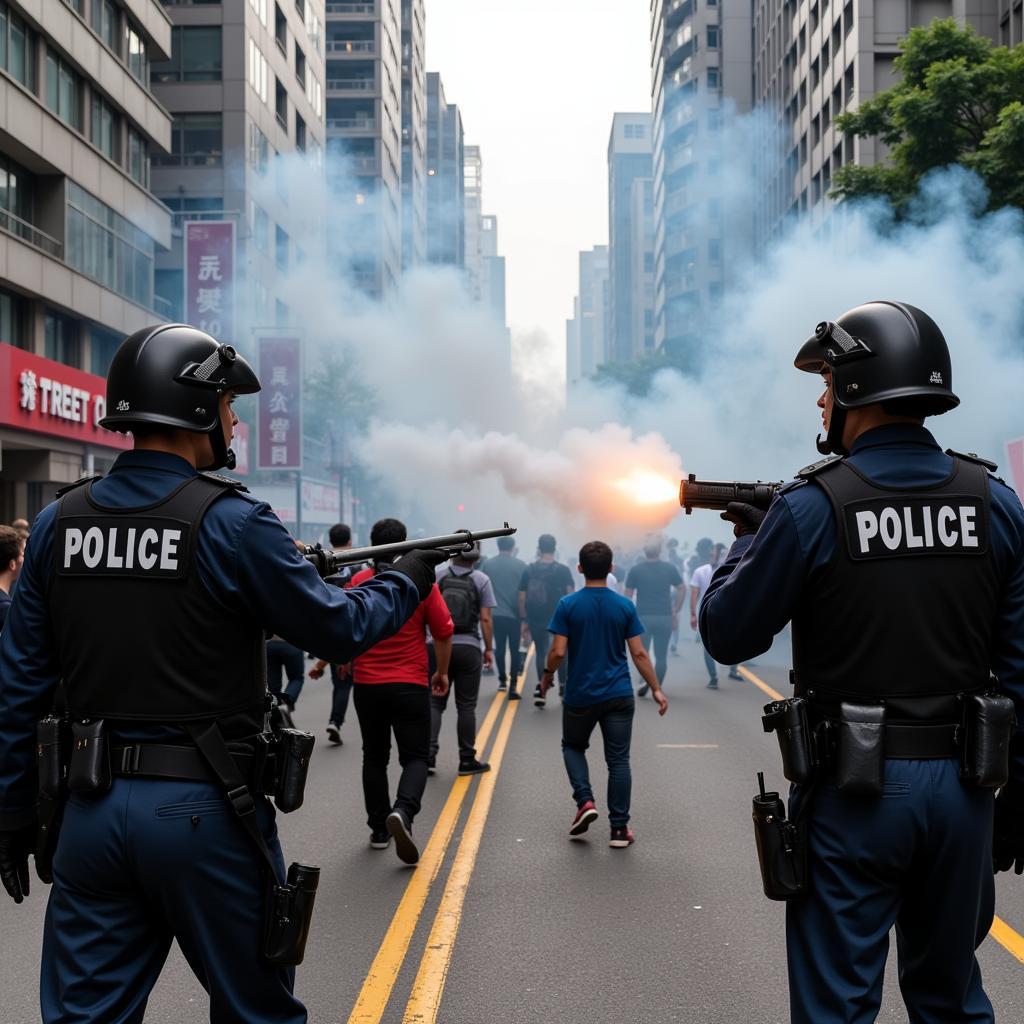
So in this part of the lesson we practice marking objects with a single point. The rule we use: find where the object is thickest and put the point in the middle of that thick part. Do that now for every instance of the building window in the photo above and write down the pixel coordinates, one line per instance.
(104, 22)
(102, 346)
(300, 133)
(14, 320)
(260, 7)
(713, 35)
(77, 5)
(300, 6)
(259, 149)
(62, 343)
(281, 247)
(103, 126)
(197, 140)
(258, 73)
(17, 47)
(281, 30)
(108, 248)
(315, 95)
(135, 51)
(194, 207)
(15, 199)
(138, 158)
(170, 286)
(300, 66)
(63, 90)
(281, 103)
(314, 27)
(714, 78)
(195, 56)
(260, 226)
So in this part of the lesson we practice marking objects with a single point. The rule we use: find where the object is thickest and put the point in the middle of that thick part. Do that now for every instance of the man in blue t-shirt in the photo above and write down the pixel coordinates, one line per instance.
(596, 625)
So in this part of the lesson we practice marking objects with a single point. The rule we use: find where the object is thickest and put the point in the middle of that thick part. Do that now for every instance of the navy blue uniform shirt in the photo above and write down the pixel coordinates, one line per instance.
(245, 558)
(756, 590)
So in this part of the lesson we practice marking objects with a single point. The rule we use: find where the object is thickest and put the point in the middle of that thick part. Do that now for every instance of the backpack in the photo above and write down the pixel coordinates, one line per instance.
(540, 601)
(463, 600)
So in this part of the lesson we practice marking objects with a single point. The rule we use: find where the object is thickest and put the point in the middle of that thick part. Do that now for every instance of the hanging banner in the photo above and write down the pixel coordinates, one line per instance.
(240, 446)
(210, 276)
(1015, 460)
(280, 419)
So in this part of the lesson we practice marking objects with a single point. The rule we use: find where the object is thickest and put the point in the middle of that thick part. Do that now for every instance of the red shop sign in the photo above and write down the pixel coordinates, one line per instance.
(47, 397)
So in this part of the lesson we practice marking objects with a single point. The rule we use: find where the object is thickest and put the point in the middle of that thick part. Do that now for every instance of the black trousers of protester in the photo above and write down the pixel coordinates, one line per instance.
(506, 634)
(659, 631)
(464, 676)
(402, 709)
(541, 643)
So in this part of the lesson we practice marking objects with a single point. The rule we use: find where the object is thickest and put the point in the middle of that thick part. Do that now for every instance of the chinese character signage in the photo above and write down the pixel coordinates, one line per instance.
(210, 276)
(240, 446)
(47, 397)
(1015, 459)
(280, 423)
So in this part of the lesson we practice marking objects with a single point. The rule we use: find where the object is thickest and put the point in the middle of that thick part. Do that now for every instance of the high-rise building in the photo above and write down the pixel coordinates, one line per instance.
(588, 339)
(573, 374)
(446, 206)
(492, 283)
(701, 79)
(630, 238)
(79, 227)
(245, 86)
(473, 186)
(364, 136)
(814, 60)
(1011, 22)
(414, 135)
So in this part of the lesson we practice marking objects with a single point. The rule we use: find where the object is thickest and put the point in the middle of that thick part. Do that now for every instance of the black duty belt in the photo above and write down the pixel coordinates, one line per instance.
(165, 761)
(915, 742)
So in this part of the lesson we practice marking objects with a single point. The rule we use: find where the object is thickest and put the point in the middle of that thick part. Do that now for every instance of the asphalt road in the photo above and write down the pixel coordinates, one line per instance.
(522, 925)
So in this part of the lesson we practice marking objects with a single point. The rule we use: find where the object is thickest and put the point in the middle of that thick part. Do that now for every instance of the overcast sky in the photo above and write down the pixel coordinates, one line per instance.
(537, 82)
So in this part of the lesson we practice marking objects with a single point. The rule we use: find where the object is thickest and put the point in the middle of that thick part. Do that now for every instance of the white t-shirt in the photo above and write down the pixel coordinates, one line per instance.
(701, 580)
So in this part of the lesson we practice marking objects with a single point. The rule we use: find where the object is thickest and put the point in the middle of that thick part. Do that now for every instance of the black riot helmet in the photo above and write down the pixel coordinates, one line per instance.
(887, 352)
(172, 376)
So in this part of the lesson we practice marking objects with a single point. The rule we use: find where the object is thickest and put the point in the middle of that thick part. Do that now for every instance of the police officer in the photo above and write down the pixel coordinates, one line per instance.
(146, 595)
(902, 570)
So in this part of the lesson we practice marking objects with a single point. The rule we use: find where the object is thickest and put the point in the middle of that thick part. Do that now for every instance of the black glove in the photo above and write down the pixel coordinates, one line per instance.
(745, 518)
(15, 846)
(1008, 829)
(419, 566)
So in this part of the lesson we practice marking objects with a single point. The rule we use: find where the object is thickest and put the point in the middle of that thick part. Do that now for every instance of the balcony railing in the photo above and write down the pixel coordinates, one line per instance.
(364, 123)
(351, 84)
(351, 46)
(14, 225)
(163, 307)
(203, 158)
(342, 7)
(178, 217)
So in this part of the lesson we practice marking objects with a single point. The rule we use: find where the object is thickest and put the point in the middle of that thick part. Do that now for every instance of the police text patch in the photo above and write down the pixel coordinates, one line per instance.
(897, 527)
(144, 546)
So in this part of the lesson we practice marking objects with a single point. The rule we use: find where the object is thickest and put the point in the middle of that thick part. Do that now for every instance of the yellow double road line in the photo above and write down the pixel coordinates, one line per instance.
(1010, 940)
(380, 980)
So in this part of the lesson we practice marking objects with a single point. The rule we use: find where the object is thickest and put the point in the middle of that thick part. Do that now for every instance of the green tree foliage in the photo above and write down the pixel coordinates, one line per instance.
(960, 100)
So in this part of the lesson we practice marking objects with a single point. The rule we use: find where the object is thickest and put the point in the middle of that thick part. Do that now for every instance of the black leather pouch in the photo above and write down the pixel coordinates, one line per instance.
(988, 725)
(287, 916)
(90, 757)
(860, 749)
(294, 750)
(788, 720)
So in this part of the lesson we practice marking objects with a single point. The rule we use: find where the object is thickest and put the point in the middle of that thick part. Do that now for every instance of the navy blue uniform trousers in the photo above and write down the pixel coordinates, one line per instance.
(920, 858)
(145, 863)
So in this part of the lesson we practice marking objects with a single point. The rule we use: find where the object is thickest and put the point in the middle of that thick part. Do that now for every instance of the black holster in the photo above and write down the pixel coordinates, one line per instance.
(288, 911)
(789, 721)
(89, 772)
(860, 749)
(52, 753)
(293, 749)
(988, 724)
(781, 846)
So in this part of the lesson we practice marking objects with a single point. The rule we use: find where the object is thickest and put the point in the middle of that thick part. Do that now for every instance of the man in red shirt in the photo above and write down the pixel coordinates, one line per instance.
(391, 690)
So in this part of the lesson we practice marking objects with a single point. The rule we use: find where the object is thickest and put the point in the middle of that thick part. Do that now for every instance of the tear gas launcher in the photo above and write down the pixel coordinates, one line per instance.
(718, 494)
(452, 544)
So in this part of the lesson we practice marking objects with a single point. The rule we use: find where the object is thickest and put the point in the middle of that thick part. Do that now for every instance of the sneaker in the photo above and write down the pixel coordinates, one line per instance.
(502, 685)
(334, 734)
(401, 831)
(643, 691)
(431, 765)
(514, 695)
(584, 816)
(473, 767)
(539, 699)
(621, 837)
(561, 691)
(379, 839)
(712, 684)
(735, 675)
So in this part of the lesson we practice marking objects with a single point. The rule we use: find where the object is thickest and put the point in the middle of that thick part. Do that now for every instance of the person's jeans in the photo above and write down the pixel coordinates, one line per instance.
(659, 630)
(340, 691)
(712, 666)
(615, 717)
(283, 656)
(402, 708)
(464, 677)
(506, 635)
(541, 643)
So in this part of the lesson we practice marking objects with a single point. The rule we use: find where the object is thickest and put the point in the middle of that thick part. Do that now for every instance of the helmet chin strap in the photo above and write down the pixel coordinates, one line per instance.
(223, 456)
(833, 442)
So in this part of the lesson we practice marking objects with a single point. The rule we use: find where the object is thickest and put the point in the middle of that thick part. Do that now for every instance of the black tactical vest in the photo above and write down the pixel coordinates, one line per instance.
(905, 610)
(137, 634)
